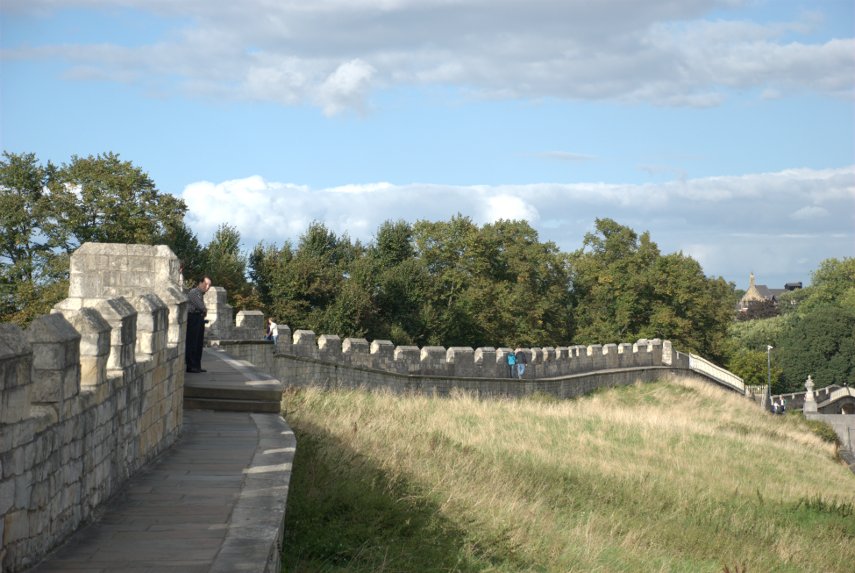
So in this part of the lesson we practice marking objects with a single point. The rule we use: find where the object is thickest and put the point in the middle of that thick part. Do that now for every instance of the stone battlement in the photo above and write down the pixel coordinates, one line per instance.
(90, 393)
(466, 362)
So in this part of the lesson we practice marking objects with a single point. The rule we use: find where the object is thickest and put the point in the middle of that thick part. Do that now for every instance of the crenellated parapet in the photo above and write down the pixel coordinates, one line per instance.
(223, 324)
(90, 393)
(466, 362)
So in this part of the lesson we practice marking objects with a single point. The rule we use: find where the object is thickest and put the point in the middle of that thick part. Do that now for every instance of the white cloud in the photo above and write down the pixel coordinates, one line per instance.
(346, 87)
(809, 212)
(333, 53)
(508, 207)
(729, 224)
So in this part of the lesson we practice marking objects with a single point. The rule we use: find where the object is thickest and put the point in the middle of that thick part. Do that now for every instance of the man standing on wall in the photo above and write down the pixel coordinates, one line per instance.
(522, 360)
(196, 311)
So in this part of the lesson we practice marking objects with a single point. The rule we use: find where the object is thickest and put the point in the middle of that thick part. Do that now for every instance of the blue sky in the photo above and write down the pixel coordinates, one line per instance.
(725, 128)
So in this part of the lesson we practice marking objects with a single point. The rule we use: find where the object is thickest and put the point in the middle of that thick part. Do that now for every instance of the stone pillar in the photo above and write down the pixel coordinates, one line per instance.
(220, 314)
(810, 401)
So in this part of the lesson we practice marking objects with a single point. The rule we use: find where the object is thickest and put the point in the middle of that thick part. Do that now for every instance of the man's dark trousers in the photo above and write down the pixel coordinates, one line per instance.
(195, 339)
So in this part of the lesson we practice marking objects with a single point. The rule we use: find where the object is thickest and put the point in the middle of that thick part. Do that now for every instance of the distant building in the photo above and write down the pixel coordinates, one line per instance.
(763, 294)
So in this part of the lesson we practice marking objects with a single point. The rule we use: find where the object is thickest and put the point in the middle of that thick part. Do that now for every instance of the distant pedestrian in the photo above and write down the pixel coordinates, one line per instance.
(196, 312)
(521, 360)
(272, 330)
(512, 361)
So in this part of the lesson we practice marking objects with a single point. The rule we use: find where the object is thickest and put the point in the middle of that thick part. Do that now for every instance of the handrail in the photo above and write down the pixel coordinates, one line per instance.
(717, 373)
(839, 393)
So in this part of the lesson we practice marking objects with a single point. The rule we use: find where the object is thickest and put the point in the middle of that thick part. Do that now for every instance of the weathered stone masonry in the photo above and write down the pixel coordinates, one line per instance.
(90, 393)
(309, 360)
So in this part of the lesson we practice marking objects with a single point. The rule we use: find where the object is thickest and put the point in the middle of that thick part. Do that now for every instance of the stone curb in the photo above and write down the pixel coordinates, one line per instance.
(256, 527)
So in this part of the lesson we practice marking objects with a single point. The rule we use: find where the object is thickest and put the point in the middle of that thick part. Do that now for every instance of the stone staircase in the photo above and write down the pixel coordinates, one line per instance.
(231, 385)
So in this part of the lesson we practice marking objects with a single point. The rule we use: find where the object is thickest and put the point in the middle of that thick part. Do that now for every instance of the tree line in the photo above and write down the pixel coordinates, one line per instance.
(450, 283)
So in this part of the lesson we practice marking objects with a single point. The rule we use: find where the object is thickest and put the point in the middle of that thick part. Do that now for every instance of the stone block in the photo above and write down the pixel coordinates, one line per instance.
(383, 355)
(152, 312)
(433, 360)
(407, 359)
(285, 339)
(655, 349)
(626, 358)
(329, 347)
(7, 495)
(13, 342)
(252, 321)
(16, 526)
(54, 341)
(15, 404)
(610, 356)
(24, 481)
(485, 362)
(122, 318)
(356, 351)
(642, 351)
(304, 343)
(461, 361)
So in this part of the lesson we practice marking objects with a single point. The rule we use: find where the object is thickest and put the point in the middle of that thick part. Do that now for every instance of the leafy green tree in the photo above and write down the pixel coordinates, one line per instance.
(755, 334)
(820, 343)
(31, 269)
(400, 284)
(494, 285)
(186, 247)
(107, 200)
(753, 367)
(49, 211)
(624, 289)
(226, 265)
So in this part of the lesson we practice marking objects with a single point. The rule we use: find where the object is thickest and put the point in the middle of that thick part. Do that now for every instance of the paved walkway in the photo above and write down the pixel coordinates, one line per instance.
(214, 502)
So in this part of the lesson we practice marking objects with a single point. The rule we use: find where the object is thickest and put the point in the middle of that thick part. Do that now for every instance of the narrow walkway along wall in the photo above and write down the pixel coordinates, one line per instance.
(89, 394)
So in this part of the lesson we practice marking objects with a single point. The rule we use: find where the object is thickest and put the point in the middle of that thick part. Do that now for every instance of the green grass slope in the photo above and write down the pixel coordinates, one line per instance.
(667, 476)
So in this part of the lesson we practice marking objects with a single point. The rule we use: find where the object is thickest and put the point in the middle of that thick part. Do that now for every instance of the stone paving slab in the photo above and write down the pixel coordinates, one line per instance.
(227, 376)
(215, 501)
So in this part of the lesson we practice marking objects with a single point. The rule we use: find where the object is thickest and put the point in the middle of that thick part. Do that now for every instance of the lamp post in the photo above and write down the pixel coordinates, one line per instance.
(769, 371)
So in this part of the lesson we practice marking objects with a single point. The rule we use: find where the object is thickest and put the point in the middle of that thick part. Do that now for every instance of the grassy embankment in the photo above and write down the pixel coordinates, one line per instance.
(675, 476)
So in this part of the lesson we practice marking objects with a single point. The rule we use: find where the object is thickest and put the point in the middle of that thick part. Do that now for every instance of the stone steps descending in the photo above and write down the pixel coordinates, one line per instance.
(232, 405)
(230, 385)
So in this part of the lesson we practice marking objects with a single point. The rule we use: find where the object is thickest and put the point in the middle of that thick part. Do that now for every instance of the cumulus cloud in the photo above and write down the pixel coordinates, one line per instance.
(333, 53)
(729, 224)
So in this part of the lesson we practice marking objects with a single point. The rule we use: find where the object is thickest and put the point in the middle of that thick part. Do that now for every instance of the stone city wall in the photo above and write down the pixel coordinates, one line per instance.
(305, 359)
(90, 393)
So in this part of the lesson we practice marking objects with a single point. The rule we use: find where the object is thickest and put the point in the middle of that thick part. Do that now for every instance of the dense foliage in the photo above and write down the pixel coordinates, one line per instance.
(49, 211)
(625, 290)
(814, 335)
(428, 282)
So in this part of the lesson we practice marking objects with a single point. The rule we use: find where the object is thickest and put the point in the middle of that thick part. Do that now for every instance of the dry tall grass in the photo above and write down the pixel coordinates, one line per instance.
(669, 476)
